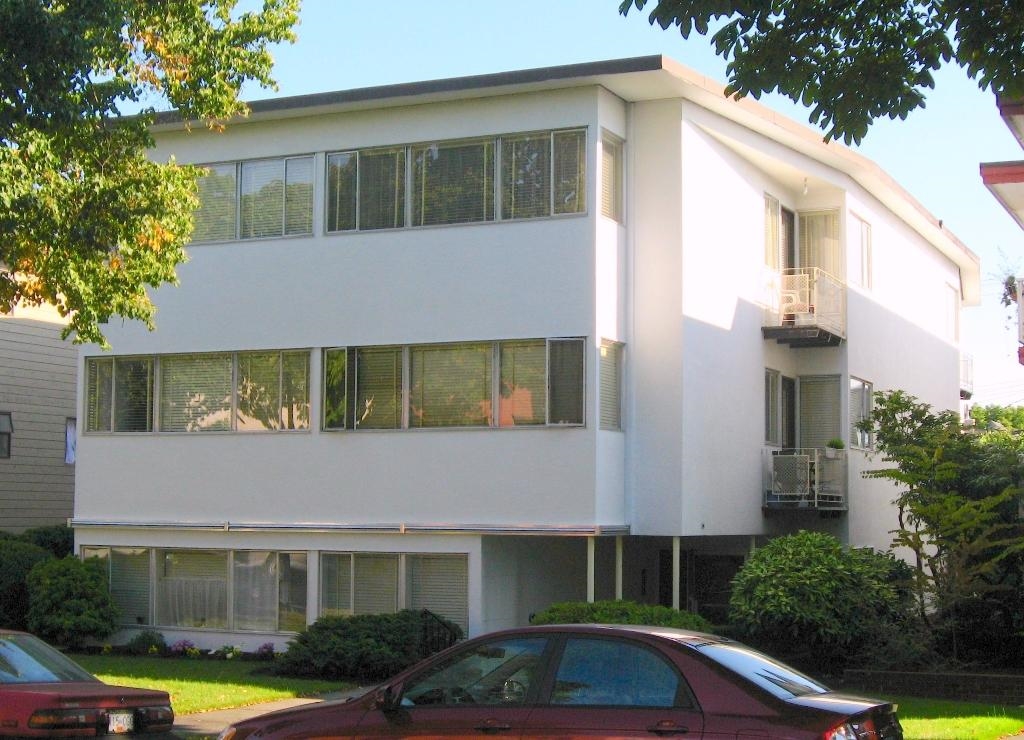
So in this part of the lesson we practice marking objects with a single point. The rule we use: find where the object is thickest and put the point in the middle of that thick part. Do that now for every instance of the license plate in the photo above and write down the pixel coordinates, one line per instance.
(120, 723)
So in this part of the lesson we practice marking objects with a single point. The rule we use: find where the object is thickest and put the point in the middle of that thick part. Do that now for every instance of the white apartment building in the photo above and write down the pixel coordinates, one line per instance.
(482, 344)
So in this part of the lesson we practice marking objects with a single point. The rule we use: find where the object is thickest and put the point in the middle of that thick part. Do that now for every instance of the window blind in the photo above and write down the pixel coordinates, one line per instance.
(335, 584)
(570, 181)
(133, 394)
(129, 583)
(450, 385)
(610, 385)
(216, 218)
(526, 176)
(195, 393)
(298, 195)
(376, 584)
(381, 189)
(523, 389)
(565, 381)
(378, 388)
(341, 191)
(439, 583)
(99, 376)
(262, 198)
(453, 182)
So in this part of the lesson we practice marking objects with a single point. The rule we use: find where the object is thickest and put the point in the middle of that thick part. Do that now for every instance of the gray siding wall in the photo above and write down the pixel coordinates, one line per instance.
(37, 386)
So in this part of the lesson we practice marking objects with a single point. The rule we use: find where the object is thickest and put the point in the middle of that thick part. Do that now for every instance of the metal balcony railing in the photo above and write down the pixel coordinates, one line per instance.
(807, 298)
(805, 478)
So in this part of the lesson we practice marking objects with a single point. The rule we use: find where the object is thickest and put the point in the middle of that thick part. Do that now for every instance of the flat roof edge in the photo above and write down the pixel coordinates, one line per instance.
(445, 85)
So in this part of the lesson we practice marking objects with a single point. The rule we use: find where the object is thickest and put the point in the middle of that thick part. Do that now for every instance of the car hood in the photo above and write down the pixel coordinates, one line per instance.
(838, 702)
(55, 694)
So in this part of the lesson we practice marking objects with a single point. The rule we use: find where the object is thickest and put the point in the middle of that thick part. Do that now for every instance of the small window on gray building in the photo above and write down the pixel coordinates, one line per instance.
(6, 431)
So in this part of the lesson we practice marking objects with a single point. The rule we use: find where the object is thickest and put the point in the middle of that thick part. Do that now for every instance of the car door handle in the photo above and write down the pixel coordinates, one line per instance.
(668, 727)
(493, 725)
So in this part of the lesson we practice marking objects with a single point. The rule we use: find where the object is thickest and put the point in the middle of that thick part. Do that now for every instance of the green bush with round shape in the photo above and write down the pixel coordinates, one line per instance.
(366, 646)
(620, 612)
(69, 601)
(17, 558)
(807, 599)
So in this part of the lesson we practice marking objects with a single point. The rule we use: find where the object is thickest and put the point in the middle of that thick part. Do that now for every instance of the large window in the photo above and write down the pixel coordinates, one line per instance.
(255, 199)
(268, 589)
(539, 381)
(861, 403)
(772, 425)
(223, 391)
(458, 181)
(858, 252)
(368, 583)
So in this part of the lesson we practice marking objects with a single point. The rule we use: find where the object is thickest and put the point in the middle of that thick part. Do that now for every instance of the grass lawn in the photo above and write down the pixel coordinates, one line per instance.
(938, 719)
(201, 685)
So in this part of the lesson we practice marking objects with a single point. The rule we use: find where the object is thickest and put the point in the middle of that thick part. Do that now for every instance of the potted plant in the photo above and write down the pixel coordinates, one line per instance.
(832, 445)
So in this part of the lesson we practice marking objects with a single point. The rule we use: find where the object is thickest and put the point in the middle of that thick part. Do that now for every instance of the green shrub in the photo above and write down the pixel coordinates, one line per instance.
(805, 598)
(16, 560)
(147, 642)
(620, 612)
(69, 601)
(367, 646)
(57, 538)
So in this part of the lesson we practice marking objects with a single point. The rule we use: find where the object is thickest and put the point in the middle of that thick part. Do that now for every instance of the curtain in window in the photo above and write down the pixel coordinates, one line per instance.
(819, 410)
(99, 400)
(526, 176)
(192, 589)
(378, 388)
(129, 583)
(570, 173)
(819, 242)
(335, 584)
(298, 195)
(450, 385)
(341, 191)
(216, 217)
(376, 584)
(254, 576)
(195, 393)
(439, 583)
(565, 381)
(291, 591)
(523, 390)
(453, 182)
(381, 189)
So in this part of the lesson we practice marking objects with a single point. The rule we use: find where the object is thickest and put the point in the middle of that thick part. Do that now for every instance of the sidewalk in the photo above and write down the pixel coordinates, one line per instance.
(209, 724)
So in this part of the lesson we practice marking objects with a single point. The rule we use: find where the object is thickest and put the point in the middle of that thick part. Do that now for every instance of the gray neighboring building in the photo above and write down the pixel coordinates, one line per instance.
(37, 420)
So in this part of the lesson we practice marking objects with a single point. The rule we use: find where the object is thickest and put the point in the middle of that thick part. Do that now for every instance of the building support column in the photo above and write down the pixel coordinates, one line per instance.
(675, 573)
(591, 568)
(618, 568)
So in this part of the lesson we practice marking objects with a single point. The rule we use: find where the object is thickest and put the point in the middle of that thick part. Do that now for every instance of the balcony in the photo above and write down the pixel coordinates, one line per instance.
(812, 479)
(808, 309)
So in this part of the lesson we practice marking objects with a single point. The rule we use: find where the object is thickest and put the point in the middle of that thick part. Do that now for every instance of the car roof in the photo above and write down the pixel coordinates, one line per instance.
(690, 638)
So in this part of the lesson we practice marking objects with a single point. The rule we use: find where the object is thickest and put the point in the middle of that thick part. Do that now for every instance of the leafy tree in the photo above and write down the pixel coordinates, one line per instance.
(958, 499)
(69, 601)
(1009, 417)
(853, 61)
(808, 598)
(86, 220)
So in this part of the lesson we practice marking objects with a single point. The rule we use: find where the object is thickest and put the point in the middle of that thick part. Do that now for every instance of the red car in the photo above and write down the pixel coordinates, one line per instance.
(43, 693)
(591, 681)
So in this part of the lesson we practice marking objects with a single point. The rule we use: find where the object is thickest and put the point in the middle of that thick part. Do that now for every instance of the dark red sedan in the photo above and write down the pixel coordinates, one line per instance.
(43, 693)
(592, 681)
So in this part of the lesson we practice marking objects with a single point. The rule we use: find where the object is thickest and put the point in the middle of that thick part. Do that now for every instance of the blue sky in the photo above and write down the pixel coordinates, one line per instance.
(934, 154)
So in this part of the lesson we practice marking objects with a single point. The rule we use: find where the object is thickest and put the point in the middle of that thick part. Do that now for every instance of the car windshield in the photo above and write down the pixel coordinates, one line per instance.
(27, 659)
(771, 675)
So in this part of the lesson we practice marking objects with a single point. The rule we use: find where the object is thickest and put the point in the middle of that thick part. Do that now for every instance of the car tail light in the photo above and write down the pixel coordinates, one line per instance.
(65, 720)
